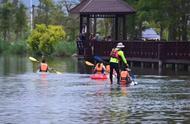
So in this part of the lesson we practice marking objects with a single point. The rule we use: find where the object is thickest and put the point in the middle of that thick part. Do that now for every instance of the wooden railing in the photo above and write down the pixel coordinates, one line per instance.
(141, 49)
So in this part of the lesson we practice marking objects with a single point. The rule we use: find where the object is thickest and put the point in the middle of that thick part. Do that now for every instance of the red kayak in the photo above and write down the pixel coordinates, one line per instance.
(99, 77)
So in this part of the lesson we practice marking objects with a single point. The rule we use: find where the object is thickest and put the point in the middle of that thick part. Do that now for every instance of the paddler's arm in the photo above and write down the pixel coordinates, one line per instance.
(121, 54)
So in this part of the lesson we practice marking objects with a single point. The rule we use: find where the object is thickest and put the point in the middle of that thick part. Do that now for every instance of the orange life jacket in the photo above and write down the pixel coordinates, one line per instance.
(124, 75)
(99, 69)
(43, 67)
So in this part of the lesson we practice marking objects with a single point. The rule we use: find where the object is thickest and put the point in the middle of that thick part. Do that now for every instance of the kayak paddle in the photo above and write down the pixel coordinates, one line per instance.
(57, 72)
(89, 63)
(35, 60)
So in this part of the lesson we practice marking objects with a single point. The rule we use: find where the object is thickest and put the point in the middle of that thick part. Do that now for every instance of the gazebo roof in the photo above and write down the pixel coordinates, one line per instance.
(102, 7)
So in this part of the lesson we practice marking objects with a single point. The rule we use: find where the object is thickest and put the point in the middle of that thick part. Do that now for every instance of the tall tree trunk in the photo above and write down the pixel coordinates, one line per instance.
(161, 32)
(5, 35)
(139, 32)
(172, 32)
(184, 28)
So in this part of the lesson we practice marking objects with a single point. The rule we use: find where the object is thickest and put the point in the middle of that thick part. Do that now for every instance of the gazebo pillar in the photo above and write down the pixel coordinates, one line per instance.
(88, 27)
(81, 23)
(116, 27)
(124, 28)
(94, 26)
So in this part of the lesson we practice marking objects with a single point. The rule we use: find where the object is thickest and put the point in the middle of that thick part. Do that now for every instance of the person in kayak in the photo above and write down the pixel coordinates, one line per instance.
(115, 56)
(125, 76)
(43, 66)
(100, 68)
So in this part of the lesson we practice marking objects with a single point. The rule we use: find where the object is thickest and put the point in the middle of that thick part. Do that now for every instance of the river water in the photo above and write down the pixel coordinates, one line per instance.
(73, 98)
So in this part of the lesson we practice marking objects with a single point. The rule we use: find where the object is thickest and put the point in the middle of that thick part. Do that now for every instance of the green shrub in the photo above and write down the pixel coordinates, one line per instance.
(43, 38)
(19, 47)
(65, 48)
(3, 46)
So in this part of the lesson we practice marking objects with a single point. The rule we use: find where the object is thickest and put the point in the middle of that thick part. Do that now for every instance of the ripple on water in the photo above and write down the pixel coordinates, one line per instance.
(75, 98)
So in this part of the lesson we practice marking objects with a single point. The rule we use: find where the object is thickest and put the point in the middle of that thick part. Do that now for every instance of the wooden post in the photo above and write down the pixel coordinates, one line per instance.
(124, 28)
(159, 67)
(160, 59)
(152, 65)
(116, 27)
(142, 65)
(94, 25)
(176, 67)
(88, 27)
(81, 23)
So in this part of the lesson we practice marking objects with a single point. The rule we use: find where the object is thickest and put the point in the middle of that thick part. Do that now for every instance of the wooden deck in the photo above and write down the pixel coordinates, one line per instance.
(151, 51)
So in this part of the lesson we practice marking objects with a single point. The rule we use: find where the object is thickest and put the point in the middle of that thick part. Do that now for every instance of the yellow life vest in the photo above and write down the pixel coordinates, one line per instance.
(120, 56)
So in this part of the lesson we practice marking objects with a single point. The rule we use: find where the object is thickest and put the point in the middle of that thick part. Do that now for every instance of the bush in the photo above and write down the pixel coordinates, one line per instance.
(19, 47)
(4, 46)
(65, 48)
(43, 38)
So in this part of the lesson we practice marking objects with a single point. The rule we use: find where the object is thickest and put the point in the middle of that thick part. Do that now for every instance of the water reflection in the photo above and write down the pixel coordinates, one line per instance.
(18, 65)
(118, 90)
(72, 97)
(12, 64)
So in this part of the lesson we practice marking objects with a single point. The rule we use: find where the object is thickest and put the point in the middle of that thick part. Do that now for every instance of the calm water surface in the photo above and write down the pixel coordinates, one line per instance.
(73, 98)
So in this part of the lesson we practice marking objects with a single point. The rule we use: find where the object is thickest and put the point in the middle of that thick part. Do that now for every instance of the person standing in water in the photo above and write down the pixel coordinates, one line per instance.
(115, 56)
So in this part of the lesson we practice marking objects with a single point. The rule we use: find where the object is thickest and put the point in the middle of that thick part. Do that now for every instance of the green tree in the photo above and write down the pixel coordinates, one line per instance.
(13, 20)
(20, 21)
(44, 12)
(6, 19)
(43, 38)
(164, 15)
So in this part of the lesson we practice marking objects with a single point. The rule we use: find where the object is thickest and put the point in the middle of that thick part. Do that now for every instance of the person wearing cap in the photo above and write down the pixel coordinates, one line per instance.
(115, 56)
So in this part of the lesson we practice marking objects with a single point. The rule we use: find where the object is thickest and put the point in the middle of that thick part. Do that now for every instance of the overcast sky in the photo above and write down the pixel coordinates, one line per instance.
(35, 2)
(27, 2)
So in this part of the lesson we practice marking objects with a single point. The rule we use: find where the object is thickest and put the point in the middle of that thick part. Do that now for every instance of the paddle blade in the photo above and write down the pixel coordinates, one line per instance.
(57, 72)
(33, 59)
(89, 63)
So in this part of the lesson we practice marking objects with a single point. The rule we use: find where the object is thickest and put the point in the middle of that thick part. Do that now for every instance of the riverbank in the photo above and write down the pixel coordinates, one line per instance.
(62, 49)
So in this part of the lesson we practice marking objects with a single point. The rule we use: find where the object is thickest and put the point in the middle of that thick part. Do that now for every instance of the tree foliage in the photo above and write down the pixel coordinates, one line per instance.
(43, 38)
(169, 18)
(50, 13)
(13, 20)
(165, 15)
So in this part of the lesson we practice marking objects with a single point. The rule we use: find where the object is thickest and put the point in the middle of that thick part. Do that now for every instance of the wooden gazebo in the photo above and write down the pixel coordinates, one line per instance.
(90, 10)
(137, 51)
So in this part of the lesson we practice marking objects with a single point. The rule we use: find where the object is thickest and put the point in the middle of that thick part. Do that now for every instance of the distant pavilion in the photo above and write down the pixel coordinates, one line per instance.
(93, 9)
(90, 10)
(154, 53)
